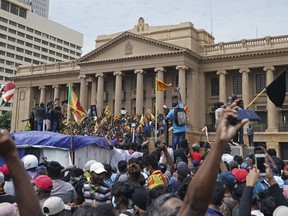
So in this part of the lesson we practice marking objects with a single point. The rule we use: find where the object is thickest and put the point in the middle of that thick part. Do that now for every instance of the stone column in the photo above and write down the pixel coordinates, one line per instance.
(222, 85)
(271, 109)
(139, 91)
(182, 81)
(93, 91)
(42, 94)
(83, 91)
(100, 93)
(118, 92)
(245, 86)
(160, 95)
(56, 94)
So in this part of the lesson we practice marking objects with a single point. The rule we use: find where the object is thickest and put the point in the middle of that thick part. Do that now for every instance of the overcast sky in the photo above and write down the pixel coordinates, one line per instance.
(231, 19)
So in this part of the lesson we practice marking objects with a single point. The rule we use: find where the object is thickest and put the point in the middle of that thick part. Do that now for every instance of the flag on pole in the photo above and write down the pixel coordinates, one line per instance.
(161, 86)
(151, 116)
(276, 90)
(75, 106)
(8, 90)
(107, 111)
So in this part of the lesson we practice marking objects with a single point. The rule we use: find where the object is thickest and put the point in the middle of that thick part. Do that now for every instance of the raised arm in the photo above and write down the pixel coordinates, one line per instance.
(25, 195)
(202, 185)
(168, 157)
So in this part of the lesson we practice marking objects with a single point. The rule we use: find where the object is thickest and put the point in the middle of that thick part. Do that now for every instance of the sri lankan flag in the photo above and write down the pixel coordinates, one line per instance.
(161, 86)
(107, 111)
(7, 90)
(75, 106)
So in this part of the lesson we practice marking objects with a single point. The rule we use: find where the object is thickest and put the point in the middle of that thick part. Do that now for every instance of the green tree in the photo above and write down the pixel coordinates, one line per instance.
(5, 120)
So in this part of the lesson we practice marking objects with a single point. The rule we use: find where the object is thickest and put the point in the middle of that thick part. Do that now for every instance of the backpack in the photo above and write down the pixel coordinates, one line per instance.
(179, 116)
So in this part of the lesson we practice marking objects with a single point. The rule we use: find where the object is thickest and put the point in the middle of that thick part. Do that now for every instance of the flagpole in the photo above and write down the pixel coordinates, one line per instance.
(256, 98)
(156, 92)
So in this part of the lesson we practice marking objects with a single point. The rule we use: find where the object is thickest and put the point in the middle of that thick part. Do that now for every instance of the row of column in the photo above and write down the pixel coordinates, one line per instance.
(271, 109)
(43, 92)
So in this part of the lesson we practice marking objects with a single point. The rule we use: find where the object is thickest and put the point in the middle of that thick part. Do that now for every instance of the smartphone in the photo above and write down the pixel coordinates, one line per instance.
(246, 113)
(259, 162)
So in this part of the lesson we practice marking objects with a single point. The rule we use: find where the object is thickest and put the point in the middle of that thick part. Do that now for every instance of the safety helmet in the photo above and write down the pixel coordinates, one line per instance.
(29, 161)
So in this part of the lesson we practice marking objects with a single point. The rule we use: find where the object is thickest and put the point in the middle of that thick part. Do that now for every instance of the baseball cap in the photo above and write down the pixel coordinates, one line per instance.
(181, 163)
(1, 178)
(286, 167)
(281, 211)
(43, 182)
(183, 171)
(88, 164)
(195, 145)
(4, 169)
(54, 205)
(228, 179)
(97, 168)
(240, 174)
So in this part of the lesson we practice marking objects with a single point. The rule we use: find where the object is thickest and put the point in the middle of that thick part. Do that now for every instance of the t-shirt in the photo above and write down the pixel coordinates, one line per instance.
(101, 193)
(176, 128)
(174, 184)
(64, 190)
(158, 178)
(132, 154)
(117, 155)
(7, 198)
(171, 153)
(196, 156)
(227, 158)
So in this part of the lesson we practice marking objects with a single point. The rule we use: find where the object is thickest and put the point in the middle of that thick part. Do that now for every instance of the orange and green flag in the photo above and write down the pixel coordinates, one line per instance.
(161, 86)
(75, 106)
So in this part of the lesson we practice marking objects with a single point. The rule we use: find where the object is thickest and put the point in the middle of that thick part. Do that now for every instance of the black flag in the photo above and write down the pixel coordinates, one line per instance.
(276, 90)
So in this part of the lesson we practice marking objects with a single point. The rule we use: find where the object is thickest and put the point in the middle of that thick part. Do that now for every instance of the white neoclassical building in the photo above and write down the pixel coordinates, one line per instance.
(121, 70)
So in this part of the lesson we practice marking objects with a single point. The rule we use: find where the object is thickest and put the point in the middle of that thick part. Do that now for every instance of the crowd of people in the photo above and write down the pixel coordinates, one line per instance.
(181, 180)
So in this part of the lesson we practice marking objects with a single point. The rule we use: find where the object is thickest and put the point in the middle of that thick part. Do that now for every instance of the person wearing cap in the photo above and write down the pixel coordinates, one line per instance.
(195, 155)
(182, 172)
(55, 206)
(8, 186)
(61, 188)
(240, 174)
(229, 181)
(179, 131)
(3, 196)
(42, 186)
(86, 169)
(96, 190)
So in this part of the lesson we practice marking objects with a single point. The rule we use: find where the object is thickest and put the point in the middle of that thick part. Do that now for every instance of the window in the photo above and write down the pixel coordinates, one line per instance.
(29, 37)
(5, 5)
(14, 9)
(237, 84)
(36, 55)
(9, 71)
(36, 62)
(52, 52)
(27, 60)
(2, 44)
(37, 32)
(65, 56)
(260, 82)
(78, 54)
(11, 39)
(30, 29)
(44, 57)
(28, 52)
(44, 49)
(11, 47)
(2, 36)
(72, 45)
(22, 13)
(72, 52)
(3, 28)
(11, 55)
(45, 35)
(12, 23)
(37, 40)
(51, 59)
(45, 42)
(37, 47)
(65, 50)
(59, 40)
(2, 61)
(21, 34)
(2, 19)
(20, 49)
(214, 86)
(19, 57)
(59, 47)
(52, 45)
(29, 44)
(58, 54)
(20, 41)
(66, 43)
(12, 31)
(10, 63)
(52, 38)
(21, 26)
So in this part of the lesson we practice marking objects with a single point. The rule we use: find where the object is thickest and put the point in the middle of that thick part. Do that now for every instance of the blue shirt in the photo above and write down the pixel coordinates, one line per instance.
(176, 128)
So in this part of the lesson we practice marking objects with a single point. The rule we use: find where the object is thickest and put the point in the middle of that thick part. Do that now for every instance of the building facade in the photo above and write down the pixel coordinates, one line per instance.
(26, 38)
(40, 7)
(121, 73)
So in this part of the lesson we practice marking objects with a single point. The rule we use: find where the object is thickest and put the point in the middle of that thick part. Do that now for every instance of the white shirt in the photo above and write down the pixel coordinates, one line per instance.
(117, 155)
(227, 158)
(162, 158)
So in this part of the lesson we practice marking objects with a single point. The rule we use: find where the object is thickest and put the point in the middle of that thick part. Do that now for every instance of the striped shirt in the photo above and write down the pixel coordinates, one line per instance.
(101, 194)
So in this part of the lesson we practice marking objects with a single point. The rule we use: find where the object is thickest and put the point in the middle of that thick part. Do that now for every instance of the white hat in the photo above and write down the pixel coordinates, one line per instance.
(88, 164)
(97, 168)
(1, 178)
(54, 205)
(281, 211)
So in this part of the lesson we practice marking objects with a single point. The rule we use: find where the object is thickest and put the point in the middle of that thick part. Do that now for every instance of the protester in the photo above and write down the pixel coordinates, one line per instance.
(55, 206)
(3, 196)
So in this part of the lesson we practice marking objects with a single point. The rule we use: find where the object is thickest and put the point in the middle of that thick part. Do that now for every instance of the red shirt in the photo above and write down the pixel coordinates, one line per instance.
(196, 156)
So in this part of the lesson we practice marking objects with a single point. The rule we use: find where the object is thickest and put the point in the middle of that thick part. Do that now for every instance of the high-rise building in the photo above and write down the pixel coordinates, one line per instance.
(26, 38)
(40, 7)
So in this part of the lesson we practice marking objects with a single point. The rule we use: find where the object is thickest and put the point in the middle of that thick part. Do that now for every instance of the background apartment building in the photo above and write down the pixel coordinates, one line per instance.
(27, 38)
(40, 7)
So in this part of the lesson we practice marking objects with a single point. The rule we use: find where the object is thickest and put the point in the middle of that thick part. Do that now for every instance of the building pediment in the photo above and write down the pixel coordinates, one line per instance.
(129, 45)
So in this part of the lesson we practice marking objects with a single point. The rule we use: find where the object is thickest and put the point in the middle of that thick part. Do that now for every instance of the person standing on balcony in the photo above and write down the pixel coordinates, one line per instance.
(250, 134)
